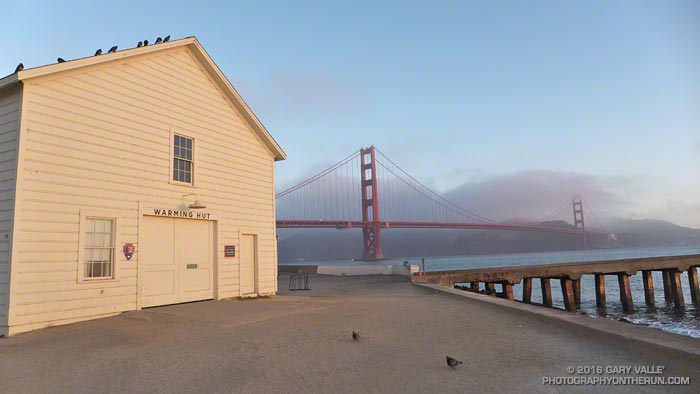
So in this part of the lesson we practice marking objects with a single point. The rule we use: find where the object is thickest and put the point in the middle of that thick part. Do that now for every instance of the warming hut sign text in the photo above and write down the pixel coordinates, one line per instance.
(178, 213)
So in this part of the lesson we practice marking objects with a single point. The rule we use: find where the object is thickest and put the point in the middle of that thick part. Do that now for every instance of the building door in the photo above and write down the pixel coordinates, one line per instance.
(249, 263)
(176, 256)
(194, 246)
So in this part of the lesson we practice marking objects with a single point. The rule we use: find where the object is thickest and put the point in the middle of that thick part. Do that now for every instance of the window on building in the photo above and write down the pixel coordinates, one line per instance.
(99, 248)
(183, 165)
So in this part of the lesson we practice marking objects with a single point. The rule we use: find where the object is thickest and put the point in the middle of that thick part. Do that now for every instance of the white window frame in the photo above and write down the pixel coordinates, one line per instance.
(172, 159)
(112, 215)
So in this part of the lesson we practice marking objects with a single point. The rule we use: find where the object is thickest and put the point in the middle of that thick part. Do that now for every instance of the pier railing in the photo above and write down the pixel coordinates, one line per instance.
(569, 275)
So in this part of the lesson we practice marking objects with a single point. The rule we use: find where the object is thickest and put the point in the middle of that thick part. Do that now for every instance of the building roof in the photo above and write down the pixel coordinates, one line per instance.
(196, 49)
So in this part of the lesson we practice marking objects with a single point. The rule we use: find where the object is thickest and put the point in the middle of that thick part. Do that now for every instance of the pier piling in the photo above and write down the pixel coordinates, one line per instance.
(600, 290)
(527, 290)
(474, 286)
(577, 291)
(567, 291)
(648, 281)
(693, 283)
(508, 291)
(490, 288)
(625, 292)
(668, 291)
(546, 292)
(677, 289)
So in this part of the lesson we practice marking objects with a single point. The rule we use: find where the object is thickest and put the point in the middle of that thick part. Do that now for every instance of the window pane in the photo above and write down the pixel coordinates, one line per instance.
(182, 159)
(99, 248)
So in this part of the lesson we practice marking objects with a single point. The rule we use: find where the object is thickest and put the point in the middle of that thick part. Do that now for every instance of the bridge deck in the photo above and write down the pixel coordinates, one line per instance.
(346, 224)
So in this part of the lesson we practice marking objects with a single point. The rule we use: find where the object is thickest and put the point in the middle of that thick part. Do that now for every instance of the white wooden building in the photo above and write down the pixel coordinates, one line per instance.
(128, 180)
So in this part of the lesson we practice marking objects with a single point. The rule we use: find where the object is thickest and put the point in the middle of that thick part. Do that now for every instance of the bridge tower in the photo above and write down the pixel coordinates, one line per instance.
(370, 206)
(578, 219)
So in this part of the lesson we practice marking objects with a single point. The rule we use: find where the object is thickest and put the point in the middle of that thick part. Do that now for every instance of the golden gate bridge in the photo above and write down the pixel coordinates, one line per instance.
(334, 198)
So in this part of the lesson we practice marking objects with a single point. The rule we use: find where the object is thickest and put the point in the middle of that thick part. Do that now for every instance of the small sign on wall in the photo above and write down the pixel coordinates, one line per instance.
(129, 250)
(229, 250)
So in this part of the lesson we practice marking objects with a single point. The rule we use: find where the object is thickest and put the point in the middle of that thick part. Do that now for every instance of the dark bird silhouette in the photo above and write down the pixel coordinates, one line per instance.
(139, 45)
(20, 67)
(355, 336)
(453, 362)
(98, 52)
(113, 49)
(166, 39)
(60, 60)
(145, 43)
(159, 40)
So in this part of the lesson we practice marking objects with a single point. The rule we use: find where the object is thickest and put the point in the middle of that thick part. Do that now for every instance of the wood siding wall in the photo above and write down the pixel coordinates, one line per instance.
(10, 100)
(99, 139)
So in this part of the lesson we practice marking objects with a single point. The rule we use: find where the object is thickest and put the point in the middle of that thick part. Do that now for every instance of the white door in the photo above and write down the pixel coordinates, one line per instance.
(248, 263)
(177, 260)
(157, 259)
(194, 246)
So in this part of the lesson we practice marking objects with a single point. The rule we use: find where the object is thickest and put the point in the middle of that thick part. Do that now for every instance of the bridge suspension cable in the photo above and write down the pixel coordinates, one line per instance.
(442, 207)
(595, 218)
(319, 175)
(556, 212)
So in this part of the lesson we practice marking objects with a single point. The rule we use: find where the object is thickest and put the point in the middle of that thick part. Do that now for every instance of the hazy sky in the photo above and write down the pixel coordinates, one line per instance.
(463, 95)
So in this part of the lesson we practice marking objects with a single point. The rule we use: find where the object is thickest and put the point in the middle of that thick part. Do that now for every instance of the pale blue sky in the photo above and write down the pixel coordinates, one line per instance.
(455, 92)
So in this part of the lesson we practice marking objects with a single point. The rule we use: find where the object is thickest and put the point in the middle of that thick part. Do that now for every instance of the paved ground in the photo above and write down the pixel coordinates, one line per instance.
(300, 343)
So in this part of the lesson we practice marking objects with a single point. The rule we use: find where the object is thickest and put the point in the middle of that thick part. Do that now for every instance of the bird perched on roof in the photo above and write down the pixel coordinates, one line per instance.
(167, 38)
(139, 45)
(355, 336)
(98, 52)
(159, 40)
(453, 362)
(19, 68)
(60, 60)
(113, 49)
(145, 43)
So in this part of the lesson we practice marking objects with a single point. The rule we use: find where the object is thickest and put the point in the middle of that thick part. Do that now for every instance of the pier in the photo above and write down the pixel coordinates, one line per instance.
(569, 275)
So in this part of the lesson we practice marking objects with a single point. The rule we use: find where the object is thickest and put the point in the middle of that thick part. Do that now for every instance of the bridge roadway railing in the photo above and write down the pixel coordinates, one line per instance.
(569, 275)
